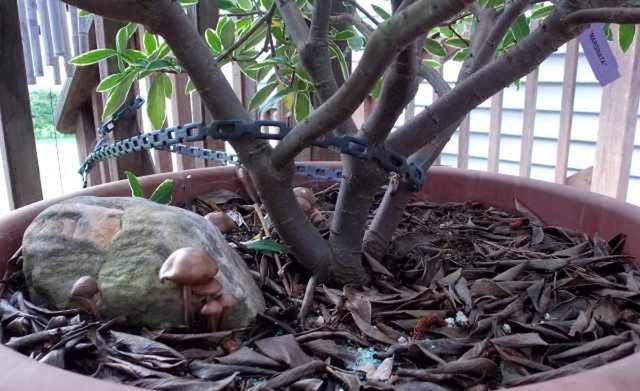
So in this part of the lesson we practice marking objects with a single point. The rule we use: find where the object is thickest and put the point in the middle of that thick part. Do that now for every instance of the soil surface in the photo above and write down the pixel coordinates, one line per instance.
(467, 298)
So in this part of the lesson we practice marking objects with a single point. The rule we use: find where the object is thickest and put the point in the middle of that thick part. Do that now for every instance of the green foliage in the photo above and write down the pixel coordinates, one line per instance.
(266, 245)
(43, 103)
(161, 195)
(265, 53)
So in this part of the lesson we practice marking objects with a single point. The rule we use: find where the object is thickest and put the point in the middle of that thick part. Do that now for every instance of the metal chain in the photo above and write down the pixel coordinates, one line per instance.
(174, 139)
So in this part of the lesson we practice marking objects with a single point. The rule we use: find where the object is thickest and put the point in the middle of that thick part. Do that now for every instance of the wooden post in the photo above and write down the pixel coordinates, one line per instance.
(181, 109)
(463, 142)
(528, 123)
(495, 128)
(17, 141)
(618, 119)
(566, 109)
(139, 163)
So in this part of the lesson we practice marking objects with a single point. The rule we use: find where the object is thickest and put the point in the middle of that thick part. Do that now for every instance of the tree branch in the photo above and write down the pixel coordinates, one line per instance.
(352, 20)
(605, 15)
(388, 40)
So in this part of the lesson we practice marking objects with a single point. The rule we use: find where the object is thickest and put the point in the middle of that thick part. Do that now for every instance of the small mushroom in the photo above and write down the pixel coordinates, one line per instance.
(188, 267)
(216, 310)
(85, 290)
(306, 193)
(221, 220)
(213, 312)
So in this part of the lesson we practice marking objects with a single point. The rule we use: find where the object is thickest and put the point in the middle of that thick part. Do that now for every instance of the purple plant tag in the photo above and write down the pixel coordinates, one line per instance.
(598, 52)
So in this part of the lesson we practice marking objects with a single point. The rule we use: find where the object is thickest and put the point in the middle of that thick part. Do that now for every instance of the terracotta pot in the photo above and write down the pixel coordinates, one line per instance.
(557, 205)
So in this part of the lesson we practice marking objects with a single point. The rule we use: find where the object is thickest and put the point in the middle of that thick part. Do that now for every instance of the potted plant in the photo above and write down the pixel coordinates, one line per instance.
(493, 41)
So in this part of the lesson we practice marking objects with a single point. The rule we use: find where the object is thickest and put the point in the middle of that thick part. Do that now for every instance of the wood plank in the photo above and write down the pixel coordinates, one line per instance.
(85, 132)
(17, 140)
(463, 142)
(139, 163)
(495, 128)
(181, 114)
(618, 119)
(528, 122)
(566, 109)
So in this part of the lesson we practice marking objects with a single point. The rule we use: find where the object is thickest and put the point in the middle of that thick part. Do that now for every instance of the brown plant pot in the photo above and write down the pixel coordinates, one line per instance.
(557, 205)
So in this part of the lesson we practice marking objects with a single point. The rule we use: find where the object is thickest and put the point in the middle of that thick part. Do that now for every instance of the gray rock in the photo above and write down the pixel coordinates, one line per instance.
(122, 242)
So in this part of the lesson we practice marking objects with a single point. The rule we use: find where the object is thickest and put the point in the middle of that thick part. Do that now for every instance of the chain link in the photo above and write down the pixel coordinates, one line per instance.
(174, 139)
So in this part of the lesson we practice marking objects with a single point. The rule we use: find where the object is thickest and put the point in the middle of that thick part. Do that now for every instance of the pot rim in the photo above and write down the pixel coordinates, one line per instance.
(589, 212)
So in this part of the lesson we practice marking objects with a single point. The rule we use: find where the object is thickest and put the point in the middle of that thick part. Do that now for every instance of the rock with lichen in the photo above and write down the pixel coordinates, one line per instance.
(122, 243)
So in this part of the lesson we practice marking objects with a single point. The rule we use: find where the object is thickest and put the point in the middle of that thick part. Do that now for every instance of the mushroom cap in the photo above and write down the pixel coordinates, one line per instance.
(227, 301)
(211, 308)
(86, 287)
(211, 288)
(306, 193)
(221, 220)
(188, 266)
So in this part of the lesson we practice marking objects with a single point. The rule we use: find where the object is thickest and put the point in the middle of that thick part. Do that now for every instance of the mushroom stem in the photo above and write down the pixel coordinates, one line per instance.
(187, 305)
(90, 306)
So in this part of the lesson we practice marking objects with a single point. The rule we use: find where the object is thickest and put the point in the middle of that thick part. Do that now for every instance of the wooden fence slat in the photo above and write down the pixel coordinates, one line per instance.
(64, 26)
(17, 140)
(528, 123)
(463, 142)
(86, 139)
(26, 43)
(45, 31)
(75, 33)
(34, 37)
(181, 114)
(106, 167)
(495, 129)
(618, 119)
(566, 110)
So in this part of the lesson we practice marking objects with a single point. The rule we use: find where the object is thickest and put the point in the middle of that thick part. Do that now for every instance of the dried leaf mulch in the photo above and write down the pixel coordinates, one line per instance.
(468, 297)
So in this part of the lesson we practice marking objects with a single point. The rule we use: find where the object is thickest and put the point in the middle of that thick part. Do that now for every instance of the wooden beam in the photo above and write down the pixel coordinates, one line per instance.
(139, 163)
(85, 131)
(17, 140)
(618, 119)
(495, 128)
(528, 123)
(566, 109)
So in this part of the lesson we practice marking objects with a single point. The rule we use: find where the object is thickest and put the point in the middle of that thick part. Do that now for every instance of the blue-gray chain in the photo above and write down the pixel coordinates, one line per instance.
(174, 139)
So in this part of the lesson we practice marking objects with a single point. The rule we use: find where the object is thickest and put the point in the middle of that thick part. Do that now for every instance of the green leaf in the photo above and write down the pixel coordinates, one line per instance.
(261, 95)
(111, 81)
(150, 42)
(520, 28)
(626, 33)
(189, 87)
(275, 99)
(118, 95)
(188, 3)
(123, 36)
(435, 64)
(227, 32)
(543, 12)
(244, 4)
(168, 87)
(156, 105)
(337, 53)
(134, 184)
(266, 245)
(266, 4)
(356, 43)
(435, 48)
(84, 13)
(213, 40)
(162, 194)
(457, 43)
(134, 57)
(344, 35)
(302, 106)
(92, 56)
(377, 88)
(383, 14)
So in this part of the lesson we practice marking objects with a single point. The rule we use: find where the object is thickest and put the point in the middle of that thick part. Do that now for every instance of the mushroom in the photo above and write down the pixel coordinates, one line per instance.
(221, 220)
(216, 310)
(188, 267)
(306, 193)
(85, 290)
(212, 288)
